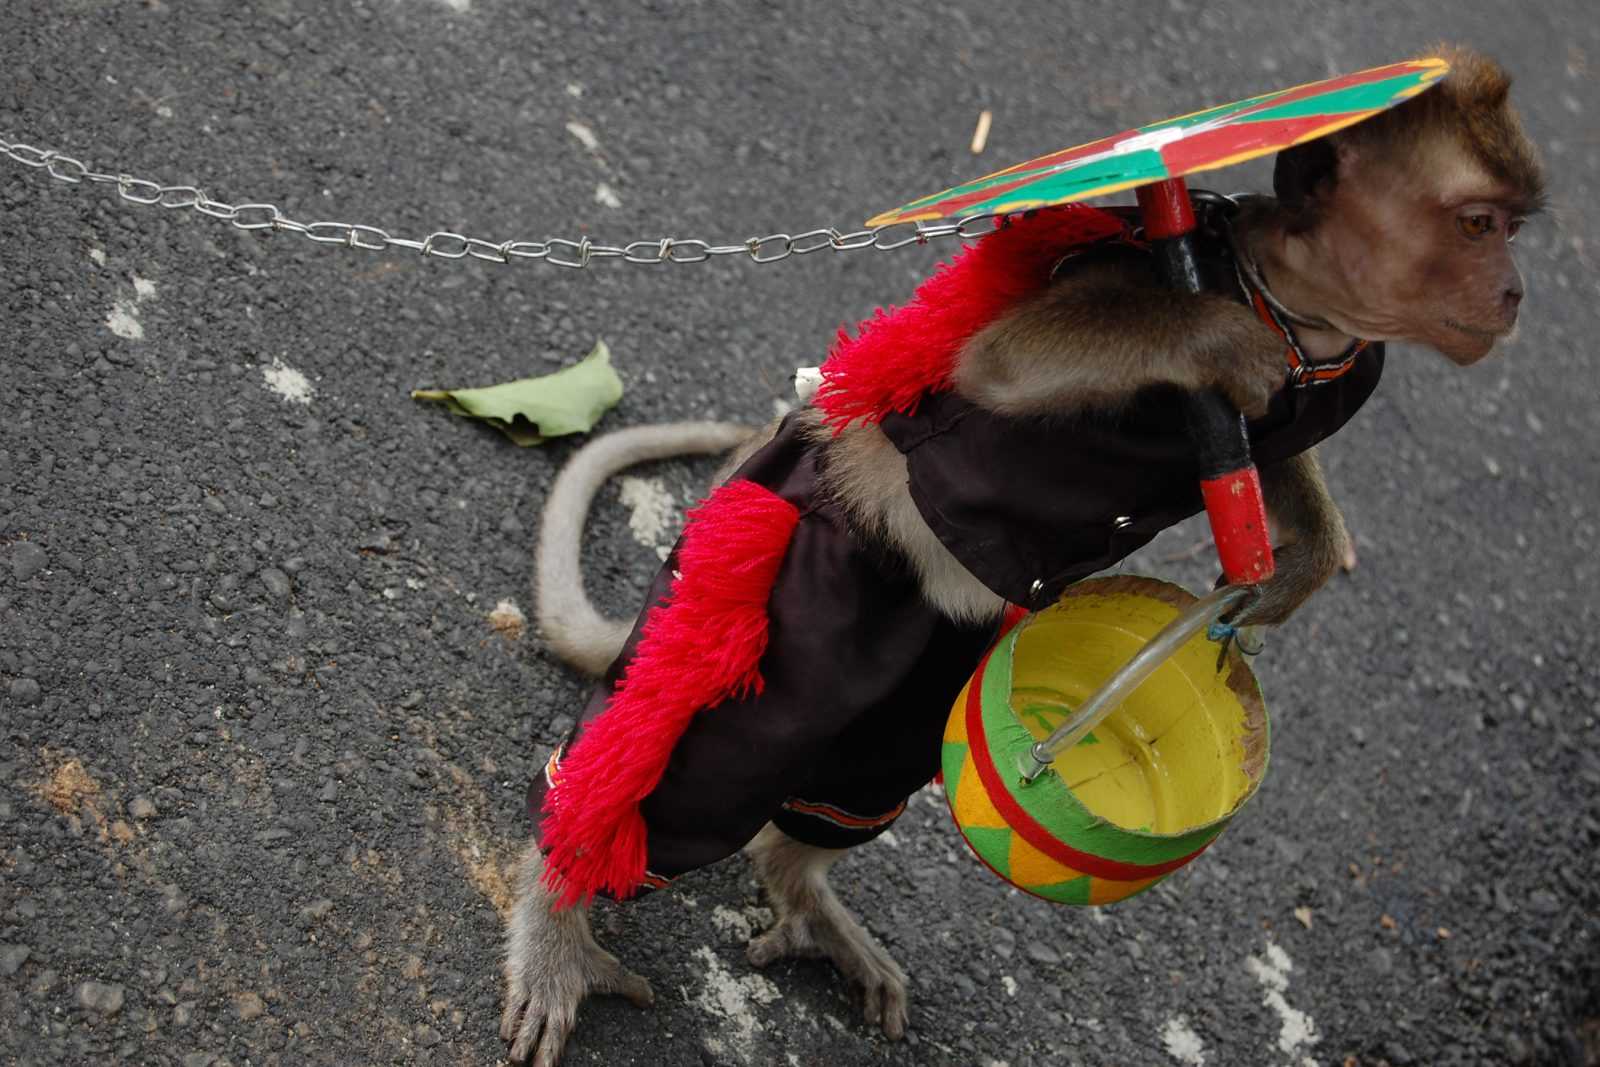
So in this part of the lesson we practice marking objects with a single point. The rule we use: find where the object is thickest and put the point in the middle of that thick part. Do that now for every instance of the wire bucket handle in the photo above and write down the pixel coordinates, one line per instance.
(1199, 616)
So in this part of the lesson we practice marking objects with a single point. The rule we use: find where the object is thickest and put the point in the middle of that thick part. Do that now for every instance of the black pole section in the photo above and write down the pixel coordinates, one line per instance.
(1217, 429)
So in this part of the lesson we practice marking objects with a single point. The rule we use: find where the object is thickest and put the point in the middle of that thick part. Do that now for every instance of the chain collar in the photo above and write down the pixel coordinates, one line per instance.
(1246, 264)
(1303, 370)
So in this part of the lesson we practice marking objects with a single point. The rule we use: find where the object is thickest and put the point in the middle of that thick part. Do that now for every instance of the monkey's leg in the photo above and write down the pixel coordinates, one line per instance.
(552, 963)
(812, 923)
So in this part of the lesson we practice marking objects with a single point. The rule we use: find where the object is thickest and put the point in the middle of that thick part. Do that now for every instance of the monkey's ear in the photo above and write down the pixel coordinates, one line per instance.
(1298, 171)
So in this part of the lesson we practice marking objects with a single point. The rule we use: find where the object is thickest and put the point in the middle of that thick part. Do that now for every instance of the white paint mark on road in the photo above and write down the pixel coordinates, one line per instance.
(606, 196)
(1296, 1029)
(287, 382)
(733, 999)
(730, 923)
(1182, 1043)
(584, 135)
(740, 925)
(652, 513)
(123, 320)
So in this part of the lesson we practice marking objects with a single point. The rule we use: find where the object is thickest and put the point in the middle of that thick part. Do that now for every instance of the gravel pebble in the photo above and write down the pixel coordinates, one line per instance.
(1544, 902)
(1041, 953)
(25, 691)
(249, 1006)
(317, 909)
(27, 559)
(276, 581)
(100, 997)
(142, 808)
(12, 957)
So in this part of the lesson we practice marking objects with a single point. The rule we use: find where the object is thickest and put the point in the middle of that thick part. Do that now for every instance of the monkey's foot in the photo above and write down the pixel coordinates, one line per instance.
(828, 931)
(552, 963)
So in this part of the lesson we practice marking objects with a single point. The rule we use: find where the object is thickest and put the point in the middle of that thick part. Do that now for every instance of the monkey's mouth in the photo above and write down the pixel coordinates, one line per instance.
(1475, 331)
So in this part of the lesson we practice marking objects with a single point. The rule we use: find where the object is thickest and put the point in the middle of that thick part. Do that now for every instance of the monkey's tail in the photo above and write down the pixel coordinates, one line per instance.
(571, 624)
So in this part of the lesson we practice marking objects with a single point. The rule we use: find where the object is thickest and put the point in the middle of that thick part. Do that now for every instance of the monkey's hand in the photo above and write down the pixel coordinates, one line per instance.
(1316, 543)
(1302, 569)
(552, 963)
(1093, 340)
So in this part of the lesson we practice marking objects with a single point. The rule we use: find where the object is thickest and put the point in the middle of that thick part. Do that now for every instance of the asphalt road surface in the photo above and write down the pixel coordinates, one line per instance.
(263, 738)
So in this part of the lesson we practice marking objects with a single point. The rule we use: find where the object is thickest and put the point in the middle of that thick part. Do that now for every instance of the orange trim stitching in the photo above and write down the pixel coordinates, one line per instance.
(840, 817)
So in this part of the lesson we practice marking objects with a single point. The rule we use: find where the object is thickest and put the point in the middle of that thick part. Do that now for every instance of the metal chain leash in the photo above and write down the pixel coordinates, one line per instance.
(444, 244)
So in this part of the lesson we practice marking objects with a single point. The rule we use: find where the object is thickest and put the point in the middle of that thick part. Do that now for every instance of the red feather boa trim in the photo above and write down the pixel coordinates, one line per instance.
(699, 647)
(902, 353)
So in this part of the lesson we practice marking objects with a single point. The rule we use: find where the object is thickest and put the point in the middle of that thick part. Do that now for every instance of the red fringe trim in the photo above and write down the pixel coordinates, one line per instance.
(902, 353)
(697, 649)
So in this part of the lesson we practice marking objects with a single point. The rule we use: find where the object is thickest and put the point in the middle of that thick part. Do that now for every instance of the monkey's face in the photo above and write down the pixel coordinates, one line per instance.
(1475, 286)
(1426, 244)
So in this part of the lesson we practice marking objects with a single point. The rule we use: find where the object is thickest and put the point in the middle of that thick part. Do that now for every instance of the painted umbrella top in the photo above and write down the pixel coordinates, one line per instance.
(1204, 140)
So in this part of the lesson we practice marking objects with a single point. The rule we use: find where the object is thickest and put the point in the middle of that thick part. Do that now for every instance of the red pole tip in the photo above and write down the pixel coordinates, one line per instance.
(1166, 209)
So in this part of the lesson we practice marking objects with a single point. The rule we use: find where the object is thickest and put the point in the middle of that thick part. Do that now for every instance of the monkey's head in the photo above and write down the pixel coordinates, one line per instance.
(1414, 211)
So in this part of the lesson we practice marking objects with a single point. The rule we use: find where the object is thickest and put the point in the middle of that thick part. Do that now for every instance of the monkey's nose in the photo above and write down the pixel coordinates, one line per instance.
(1512, 299)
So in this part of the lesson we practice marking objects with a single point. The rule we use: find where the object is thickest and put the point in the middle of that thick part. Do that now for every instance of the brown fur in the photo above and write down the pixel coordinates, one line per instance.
(1470, 108)
(1110, 330)
(1311, 540)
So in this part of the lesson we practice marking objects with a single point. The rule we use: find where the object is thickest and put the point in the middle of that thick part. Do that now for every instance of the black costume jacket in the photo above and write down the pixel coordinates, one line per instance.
(860, 672)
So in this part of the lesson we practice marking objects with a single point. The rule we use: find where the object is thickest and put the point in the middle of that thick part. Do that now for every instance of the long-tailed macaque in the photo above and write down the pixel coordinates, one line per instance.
(882, 595)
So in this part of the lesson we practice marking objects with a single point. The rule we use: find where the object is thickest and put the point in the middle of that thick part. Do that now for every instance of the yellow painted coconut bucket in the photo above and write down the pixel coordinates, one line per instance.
(1105, 741)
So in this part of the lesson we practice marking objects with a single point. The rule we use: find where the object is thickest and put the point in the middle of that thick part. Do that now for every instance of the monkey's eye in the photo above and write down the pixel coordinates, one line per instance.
(1476, 226)
(1513, 227)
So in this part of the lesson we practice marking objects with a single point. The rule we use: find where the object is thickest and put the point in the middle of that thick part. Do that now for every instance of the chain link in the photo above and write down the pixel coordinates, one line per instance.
(444, 244)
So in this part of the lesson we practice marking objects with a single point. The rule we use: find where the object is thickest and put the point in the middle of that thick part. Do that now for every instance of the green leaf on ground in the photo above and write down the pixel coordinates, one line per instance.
(529, 410)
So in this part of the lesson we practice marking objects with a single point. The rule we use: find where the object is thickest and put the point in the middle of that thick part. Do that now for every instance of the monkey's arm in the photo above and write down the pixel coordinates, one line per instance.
(1108, 330)
(1312, 538)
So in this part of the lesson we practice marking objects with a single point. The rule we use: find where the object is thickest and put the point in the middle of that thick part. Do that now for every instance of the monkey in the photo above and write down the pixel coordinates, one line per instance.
(914, 529)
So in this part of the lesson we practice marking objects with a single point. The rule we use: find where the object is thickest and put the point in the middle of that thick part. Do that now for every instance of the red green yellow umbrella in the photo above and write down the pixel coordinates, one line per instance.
(1204, 140)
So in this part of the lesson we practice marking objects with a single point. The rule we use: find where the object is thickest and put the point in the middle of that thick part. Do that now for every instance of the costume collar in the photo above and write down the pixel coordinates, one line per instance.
(1303, 370)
